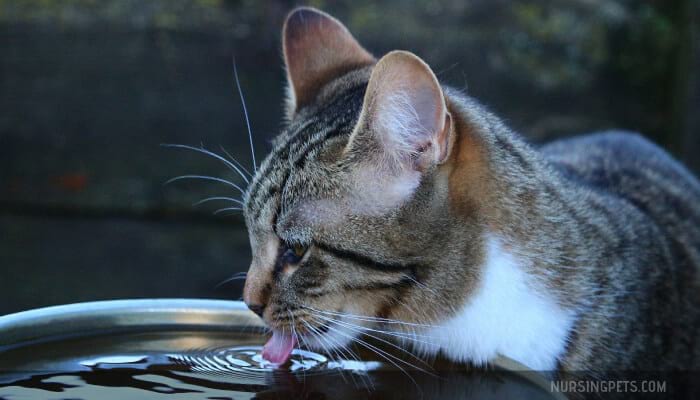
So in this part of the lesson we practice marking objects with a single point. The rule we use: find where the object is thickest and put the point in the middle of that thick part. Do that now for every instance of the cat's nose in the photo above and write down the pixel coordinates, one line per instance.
(256, 292)
(259, 280)
(257, 308)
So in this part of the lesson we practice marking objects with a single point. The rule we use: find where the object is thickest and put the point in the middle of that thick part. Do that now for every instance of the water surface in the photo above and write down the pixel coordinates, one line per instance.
(219, 365)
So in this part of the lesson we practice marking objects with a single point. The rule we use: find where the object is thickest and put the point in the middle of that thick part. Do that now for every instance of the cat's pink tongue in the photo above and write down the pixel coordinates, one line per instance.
(279, 347)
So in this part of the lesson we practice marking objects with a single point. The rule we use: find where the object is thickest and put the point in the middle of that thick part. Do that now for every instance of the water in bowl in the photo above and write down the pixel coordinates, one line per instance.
(221, 365)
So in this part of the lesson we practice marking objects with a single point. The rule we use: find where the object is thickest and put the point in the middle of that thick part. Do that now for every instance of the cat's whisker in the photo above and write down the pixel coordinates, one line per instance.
(223, 210)
(343, 350)
(344, 314)
(235, 277)
(326, 346)
(412, 355)
(216, 198)
(206, 178)
(393, 333)
(337, 344)
(307, 331)
(369, 318)
(229, 214)
(387, 356)
(363, 331)
(323, 337)
(211, 154)
(246, 170)
(382, 321)
(401, 335)
(422, 285)
(294, 334)
(219, 211)
(418, 349)
(245, 113)
(417, 313)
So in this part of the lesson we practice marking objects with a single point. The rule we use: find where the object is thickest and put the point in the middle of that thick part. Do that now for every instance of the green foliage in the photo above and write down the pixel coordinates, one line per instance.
(577, 39)
(647, 43)
(207, 15)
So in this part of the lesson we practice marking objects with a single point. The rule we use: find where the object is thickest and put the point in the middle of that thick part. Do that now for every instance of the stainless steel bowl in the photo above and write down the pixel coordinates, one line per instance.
(103, 317)
(185, 337)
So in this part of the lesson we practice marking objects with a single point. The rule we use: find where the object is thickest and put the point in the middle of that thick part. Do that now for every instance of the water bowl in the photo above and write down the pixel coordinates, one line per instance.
(210, 349)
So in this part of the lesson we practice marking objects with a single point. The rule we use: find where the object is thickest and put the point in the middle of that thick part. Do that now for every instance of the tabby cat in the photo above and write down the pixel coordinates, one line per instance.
(395, 203)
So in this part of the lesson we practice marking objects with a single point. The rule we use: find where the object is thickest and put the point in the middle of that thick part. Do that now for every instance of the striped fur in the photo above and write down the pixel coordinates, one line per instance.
(605, 229)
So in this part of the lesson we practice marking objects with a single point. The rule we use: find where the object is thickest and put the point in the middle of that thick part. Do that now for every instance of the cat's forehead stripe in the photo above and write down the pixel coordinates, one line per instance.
(266, 176)
(280, 170)
(298, 142)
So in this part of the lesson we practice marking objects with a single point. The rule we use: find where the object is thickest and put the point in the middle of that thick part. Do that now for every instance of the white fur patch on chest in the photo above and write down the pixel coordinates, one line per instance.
(507, 315)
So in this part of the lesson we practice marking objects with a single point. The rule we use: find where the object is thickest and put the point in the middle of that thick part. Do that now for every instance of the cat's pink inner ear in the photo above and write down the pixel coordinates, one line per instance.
(317, 48)
(405, 109)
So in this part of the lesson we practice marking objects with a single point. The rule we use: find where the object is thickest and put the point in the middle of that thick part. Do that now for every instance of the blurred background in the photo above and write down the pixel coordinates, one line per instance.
(89, 89)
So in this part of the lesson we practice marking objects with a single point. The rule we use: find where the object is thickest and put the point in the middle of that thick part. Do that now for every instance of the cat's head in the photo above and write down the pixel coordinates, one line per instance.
(351, 212)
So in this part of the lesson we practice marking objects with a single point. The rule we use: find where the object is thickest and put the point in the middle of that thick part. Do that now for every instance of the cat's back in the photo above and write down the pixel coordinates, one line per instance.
(628, 166)
(653, 201)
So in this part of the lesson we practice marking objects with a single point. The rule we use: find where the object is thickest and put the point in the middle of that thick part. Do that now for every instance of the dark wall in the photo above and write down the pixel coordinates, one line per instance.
(89, 91)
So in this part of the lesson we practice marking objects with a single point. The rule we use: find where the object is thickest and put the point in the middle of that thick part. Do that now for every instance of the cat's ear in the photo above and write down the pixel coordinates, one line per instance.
(317, 48)
(404, 116)
(404, 128)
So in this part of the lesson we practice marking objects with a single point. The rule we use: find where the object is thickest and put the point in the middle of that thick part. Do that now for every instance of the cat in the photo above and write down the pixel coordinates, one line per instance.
(395, 203)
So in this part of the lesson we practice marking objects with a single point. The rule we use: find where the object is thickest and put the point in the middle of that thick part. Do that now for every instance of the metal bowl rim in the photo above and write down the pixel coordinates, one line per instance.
(90, 318)
(83, 319)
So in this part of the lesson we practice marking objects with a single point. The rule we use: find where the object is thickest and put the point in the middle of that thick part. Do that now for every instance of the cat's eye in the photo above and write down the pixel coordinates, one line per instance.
(293, 253)
(299, 250)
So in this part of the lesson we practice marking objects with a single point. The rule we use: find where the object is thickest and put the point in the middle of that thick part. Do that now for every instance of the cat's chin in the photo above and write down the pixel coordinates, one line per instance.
(329, 337)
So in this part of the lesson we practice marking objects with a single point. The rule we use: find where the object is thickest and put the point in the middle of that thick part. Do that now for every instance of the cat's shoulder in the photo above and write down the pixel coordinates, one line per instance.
(629, 172)
(624, 145)
(610, 156)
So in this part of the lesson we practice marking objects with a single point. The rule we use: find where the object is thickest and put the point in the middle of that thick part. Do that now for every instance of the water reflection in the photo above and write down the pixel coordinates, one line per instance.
(228, 365)
(240, 373)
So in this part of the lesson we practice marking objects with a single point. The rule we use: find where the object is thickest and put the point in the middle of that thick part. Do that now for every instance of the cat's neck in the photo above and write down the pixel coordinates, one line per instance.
(535, 277)
(537, 214)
